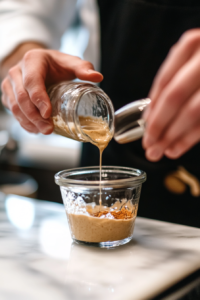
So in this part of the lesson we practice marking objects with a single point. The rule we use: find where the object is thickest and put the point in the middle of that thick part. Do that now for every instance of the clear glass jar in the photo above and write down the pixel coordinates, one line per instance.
(72, 100)
(108, 223)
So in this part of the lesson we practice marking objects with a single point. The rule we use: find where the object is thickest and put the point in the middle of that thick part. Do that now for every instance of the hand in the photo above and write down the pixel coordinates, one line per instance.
(24, 88)
(173, 118)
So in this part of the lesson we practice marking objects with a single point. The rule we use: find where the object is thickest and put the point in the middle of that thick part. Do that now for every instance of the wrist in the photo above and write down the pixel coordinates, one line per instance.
(17, 54)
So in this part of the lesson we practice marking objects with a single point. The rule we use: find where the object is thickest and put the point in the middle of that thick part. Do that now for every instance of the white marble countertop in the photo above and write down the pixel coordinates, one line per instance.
(39, 261)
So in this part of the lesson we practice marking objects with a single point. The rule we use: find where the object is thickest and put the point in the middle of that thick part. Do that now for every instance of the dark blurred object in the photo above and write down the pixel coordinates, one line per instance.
(47, 189)
(18, 184)
(15, 183)
(1, 106)
(187, 289)
(4, 137)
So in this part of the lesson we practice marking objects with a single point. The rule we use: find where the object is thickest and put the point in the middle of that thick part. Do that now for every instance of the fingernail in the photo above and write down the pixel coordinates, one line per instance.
(44, 127)
(172, 152)
(148, 141)
(92, 71)
(42, 107)
(154, 153)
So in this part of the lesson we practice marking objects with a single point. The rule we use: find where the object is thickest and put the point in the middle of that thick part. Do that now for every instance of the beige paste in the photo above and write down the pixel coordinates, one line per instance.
(87, 228)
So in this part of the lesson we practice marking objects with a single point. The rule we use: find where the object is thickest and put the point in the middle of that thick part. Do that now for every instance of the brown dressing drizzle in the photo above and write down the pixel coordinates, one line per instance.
(99, 133)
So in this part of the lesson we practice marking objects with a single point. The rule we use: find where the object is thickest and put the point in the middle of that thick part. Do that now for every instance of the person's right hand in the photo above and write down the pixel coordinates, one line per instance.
(24, 88)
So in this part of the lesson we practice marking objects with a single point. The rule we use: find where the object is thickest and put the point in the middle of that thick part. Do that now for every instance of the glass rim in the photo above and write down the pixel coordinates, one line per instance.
(137, 177)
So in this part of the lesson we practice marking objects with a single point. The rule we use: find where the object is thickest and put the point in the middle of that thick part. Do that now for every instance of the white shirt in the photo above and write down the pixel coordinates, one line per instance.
(45, 21)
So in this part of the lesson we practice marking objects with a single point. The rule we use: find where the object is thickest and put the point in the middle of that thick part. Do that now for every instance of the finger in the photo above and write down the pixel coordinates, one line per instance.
(26, 106)
(188, 118)
(11, 103)
(34, 68)
(3, 100)
(71, 67)
(4, 87)
(179, 54)
(85, 71)
(184, 144)
(177, 92)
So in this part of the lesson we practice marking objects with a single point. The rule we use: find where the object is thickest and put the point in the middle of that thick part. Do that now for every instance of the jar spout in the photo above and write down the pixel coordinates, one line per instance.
(129, 124)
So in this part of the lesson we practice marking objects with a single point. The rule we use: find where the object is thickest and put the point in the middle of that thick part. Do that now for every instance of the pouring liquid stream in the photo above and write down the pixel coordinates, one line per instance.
(99, 133)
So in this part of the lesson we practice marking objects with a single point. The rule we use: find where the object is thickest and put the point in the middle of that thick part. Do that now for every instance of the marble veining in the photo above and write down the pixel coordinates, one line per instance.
(39, 261)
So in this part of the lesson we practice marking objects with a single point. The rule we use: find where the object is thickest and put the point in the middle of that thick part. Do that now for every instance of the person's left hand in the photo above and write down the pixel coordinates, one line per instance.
(173, 118)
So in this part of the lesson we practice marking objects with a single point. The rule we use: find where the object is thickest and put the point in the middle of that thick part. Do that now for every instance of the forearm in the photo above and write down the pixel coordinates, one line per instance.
(16, 56)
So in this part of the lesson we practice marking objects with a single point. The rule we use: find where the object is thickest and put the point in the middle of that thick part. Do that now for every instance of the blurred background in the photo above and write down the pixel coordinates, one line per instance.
(28, 162)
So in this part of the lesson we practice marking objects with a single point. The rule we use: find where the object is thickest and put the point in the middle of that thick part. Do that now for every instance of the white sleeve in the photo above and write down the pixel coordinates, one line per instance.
(33, 20)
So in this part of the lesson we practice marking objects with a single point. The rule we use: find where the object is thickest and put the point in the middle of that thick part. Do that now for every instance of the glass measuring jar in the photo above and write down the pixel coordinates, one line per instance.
(75, 102)
(107, 225)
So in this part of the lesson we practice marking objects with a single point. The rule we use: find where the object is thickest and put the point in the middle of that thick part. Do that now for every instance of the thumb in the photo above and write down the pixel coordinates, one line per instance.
(85, 71)
(91, 75)
(70, 67)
